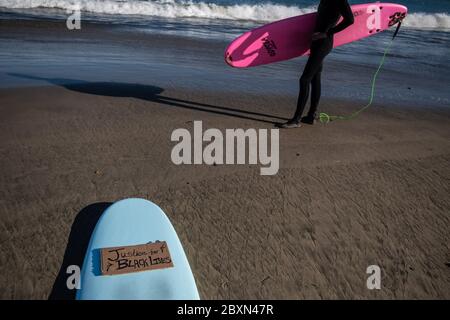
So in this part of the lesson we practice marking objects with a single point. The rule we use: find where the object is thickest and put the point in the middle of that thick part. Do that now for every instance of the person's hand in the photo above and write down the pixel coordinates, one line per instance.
(318, 35)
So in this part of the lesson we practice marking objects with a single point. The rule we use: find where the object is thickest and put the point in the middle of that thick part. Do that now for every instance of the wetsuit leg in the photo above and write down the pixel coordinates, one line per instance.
(315, 92)
(319, 50)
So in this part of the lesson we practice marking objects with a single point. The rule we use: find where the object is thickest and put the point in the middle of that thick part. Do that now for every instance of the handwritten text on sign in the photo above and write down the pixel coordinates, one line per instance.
(137, 258)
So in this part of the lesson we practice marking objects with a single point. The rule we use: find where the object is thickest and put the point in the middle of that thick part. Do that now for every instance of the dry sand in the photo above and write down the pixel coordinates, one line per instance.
(348, 195)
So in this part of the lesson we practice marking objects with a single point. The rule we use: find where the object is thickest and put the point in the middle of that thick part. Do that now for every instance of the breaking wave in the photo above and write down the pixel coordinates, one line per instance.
(263, 12)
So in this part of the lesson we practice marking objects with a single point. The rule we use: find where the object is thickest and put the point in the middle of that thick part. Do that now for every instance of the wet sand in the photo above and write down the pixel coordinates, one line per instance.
(373, 191)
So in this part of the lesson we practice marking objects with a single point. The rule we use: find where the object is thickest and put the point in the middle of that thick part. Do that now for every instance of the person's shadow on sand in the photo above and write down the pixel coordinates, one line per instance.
(80, 235)
(148, 93)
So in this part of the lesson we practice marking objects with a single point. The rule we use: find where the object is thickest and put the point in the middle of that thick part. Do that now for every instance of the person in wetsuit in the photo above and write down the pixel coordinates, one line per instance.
(328, 15)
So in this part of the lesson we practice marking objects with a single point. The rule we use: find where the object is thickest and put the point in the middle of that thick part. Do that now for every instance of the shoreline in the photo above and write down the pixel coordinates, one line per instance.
(106, 53)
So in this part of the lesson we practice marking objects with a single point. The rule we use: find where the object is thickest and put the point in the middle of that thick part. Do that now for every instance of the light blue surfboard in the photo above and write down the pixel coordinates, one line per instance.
(133, 222)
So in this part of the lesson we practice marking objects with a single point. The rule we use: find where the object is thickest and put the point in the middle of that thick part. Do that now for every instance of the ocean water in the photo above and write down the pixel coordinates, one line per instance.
(419, 59)
(430, 14)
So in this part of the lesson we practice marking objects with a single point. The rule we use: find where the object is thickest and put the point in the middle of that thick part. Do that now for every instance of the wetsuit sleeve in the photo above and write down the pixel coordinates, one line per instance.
(347, 14)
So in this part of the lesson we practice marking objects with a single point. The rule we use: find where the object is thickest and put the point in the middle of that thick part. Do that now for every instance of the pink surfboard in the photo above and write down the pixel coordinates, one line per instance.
(290, 38)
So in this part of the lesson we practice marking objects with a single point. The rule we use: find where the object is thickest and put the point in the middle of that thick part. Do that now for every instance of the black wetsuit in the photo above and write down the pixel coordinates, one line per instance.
(329, 12)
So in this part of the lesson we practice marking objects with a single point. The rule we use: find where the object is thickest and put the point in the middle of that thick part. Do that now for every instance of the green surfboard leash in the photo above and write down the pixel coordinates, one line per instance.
(326, 118)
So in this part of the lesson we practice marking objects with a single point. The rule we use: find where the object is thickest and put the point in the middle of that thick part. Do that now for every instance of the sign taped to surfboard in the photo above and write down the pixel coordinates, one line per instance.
(128, 259)
(290, 38)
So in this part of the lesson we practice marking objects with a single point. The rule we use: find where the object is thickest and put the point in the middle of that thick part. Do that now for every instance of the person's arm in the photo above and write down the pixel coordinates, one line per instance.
(347, 14)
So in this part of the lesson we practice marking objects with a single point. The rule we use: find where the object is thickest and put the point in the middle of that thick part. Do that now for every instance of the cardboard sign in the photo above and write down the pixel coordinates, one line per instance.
(120, 260)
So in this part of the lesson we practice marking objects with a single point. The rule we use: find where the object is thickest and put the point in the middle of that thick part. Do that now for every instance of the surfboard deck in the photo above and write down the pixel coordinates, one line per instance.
(290, 38)
(133, 222)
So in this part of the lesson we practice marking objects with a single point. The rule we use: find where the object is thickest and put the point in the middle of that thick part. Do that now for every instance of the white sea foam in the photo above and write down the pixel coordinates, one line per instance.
(427, 20)
(189, 9)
